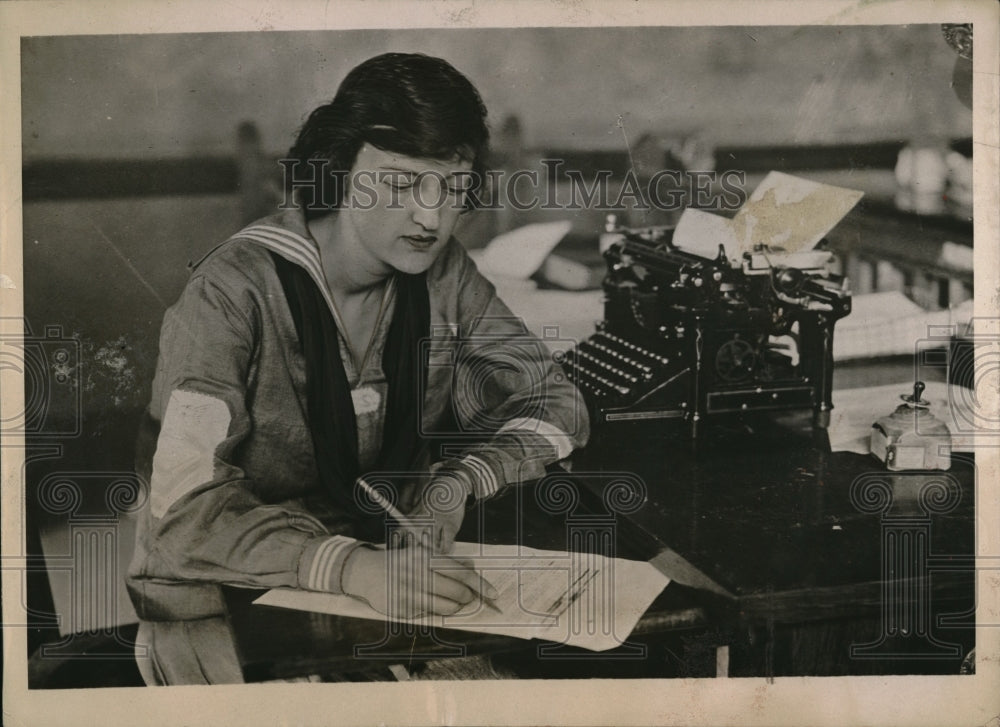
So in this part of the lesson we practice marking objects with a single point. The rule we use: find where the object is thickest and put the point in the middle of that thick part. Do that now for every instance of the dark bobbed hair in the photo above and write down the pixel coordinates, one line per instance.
(403, 103)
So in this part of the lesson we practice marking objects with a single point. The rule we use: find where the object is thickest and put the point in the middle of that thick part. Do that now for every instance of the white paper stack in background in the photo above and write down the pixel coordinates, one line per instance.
(520, 252)
(890, 324)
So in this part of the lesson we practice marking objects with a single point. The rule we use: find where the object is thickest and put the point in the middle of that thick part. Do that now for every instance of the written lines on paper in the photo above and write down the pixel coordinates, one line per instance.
(579, 599)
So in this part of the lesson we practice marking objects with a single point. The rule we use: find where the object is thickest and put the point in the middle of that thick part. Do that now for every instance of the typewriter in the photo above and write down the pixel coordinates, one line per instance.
(689, 337)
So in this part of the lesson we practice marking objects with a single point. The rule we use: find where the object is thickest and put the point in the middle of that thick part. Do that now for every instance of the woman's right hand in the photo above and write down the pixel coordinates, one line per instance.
(401, 583)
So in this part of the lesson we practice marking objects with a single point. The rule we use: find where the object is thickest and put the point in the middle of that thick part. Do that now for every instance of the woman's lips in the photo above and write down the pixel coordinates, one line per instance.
(421, 242)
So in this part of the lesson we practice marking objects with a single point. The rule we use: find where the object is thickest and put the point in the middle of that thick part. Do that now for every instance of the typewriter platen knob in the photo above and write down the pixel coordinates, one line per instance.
(789, 280)
(624, 262)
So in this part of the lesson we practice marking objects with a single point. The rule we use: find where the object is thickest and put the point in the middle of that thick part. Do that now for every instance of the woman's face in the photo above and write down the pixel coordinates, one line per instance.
(399, 211)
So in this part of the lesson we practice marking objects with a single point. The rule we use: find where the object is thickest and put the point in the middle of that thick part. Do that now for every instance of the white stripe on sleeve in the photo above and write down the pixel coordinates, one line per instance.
(553, 435)
(194, 425)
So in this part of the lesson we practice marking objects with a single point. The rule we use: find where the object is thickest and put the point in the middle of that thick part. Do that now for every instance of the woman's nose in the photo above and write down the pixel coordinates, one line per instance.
(426, 216)
(427, 206)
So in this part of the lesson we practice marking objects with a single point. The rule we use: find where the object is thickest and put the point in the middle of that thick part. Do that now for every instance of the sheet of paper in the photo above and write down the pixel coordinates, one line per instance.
(791, 213)
(785, 212)
(702, 232)
(579, 599)
(890, 324)
(520, 252)
(855, 410)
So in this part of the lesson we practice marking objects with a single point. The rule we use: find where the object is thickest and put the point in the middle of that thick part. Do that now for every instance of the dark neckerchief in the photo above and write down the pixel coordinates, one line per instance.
(331, 410)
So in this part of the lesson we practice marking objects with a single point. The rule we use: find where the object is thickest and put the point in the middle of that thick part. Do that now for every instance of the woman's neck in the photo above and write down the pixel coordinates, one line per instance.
(346, 264)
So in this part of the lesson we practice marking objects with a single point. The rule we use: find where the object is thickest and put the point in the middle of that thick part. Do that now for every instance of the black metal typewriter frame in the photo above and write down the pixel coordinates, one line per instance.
(688, 337)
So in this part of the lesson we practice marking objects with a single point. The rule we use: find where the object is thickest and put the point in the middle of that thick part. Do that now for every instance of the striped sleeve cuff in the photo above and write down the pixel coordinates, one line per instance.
(479, 478)
(321, 565)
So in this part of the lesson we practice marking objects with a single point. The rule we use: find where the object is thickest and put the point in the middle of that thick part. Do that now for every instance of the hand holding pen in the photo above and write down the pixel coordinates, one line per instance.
(419, 588)
(441, 499)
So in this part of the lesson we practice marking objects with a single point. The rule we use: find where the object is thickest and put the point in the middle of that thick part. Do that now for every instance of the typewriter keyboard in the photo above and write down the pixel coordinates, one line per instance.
(608, 365)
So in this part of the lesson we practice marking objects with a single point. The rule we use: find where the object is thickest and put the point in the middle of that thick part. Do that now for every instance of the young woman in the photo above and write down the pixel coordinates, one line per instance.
(345, 335)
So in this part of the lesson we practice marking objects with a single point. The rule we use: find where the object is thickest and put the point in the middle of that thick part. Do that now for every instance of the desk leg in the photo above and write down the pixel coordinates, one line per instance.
(721, 662)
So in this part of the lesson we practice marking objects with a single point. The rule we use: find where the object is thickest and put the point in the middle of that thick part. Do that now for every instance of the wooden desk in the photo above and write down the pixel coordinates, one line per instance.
(801, 536)
(770, 516)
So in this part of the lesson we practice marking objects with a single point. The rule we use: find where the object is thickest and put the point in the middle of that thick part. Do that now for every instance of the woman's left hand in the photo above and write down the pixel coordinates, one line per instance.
(443, 500)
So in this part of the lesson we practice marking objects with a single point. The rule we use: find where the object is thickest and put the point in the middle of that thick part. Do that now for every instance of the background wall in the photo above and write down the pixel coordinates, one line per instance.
(173, 95)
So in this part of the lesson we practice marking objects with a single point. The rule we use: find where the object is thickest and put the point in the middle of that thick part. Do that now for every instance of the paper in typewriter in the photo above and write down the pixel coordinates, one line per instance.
(784, 213)
(578, 599)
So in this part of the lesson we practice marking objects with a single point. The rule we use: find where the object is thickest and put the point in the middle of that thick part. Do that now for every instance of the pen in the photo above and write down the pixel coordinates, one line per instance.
(404, 522)
(491, 603)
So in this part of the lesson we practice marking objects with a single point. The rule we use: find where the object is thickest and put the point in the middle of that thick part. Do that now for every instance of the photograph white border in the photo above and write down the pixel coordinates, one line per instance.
(910, 700)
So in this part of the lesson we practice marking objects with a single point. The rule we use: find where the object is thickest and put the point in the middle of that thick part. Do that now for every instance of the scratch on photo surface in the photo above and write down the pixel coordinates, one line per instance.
(131, 267)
